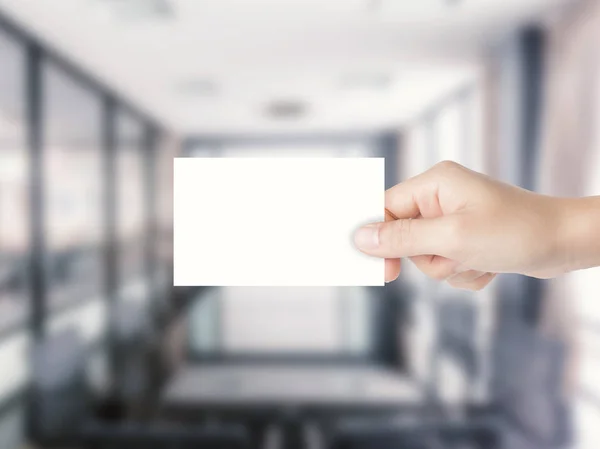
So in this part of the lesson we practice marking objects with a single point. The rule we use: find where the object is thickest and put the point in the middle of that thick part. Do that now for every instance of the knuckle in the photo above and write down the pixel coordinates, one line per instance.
(447, 165)
(478, 284)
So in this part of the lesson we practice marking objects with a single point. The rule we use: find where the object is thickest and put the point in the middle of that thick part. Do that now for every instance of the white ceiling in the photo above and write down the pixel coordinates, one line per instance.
(243, 54)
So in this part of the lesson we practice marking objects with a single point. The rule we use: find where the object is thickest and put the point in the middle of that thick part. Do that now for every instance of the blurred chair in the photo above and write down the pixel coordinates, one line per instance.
(457, 327)
(527, 387)
(163, 437)
(456, 320)
(132, 336)
(416, 433)
(58, 398)
(140, 361)
(62, 409)
(526, 393)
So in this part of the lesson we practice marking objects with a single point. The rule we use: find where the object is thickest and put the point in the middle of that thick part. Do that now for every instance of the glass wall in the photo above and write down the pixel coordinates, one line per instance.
(72, 189)
(74, 207)
(451, 131)
(14, 237)
(14, 185)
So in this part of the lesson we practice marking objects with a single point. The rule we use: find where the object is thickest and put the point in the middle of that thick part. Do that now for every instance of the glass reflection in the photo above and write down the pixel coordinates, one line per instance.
(72, 190)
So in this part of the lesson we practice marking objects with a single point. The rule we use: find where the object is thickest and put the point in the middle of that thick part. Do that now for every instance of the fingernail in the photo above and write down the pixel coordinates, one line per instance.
(367, 237)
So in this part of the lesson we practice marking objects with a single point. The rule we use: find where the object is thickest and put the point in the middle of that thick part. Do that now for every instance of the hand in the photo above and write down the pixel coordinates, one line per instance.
(463, 227)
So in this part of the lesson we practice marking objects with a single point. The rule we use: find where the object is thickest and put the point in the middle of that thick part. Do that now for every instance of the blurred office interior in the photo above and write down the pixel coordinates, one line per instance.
(98, 350)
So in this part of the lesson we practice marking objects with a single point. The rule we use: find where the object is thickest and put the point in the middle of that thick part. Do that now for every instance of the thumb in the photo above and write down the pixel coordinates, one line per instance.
(404, 238)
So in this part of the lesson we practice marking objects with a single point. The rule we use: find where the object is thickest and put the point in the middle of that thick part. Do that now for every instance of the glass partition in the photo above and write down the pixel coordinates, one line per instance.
(14, 185)
(73, 189)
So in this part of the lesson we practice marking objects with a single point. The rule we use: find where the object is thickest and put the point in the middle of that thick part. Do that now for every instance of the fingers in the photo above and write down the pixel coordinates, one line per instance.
(406, 238)
(401, 206)
(476, 284)
(392, 269)
(401, 200)
(466, 276)
(435, 267)
(443, 269)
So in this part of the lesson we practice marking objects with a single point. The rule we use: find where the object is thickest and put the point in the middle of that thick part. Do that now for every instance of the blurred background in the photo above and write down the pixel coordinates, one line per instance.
(98, 350)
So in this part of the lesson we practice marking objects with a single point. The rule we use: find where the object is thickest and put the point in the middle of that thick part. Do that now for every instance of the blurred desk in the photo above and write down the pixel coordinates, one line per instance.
(288, 395)
(241, 387)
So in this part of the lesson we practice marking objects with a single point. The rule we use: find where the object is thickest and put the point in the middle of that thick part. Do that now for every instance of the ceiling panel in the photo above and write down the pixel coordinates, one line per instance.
(252, 52)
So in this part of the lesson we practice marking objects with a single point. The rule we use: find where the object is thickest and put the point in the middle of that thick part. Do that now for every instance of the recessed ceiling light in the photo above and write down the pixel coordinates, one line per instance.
(198, 87)
(401, 7)
(374, 5)
(286, 109)
(140, 9)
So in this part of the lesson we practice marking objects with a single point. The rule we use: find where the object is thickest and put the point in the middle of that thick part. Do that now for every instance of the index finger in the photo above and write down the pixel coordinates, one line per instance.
(400, 200)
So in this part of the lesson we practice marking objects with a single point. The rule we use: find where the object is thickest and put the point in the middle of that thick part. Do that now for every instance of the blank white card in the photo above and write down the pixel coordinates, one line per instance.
(275, 221)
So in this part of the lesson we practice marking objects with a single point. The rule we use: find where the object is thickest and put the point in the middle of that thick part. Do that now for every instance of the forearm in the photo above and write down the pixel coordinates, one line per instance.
(579, 239)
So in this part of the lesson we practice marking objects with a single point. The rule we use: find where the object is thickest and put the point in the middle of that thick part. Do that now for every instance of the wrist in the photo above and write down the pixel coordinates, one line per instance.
(578, 239)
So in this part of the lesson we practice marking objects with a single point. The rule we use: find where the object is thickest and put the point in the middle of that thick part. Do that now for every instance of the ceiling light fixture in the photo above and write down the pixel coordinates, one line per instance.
(377, 6)
(286, 109)
(140, 9)
(198, 87)
(374, 5)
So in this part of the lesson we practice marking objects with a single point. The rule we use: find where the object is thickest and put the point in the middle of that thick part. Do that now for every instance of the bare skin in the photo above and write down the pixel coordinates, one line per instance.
(464, 227)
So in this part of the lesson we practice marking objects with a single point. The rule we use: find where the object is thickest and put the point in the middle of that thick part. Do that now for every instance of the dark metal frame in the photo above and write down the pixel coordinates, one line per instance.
(307, 358)
(111, 261)
(532, 42)
(150, 144)
(34, 104)
(220, 141)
